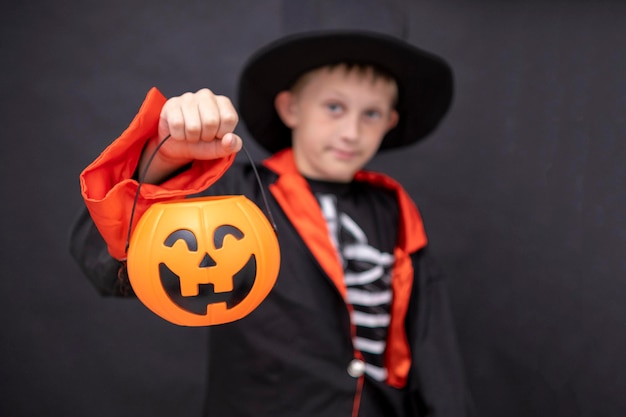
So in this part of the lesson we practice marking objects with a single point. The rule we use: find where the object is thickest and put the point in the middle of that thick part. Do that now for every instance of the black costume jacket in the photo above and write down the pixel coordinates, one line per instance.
(291, 356)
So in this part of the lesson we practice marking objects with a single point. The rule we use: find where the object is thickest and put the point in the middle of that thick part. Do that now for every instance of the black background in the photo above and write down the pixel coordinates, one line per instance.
(522, 190)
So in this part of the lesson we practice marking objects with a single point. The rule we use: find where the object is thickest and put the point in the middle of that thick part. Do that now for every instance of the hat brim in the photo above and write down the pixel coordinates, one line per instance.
(425, 81)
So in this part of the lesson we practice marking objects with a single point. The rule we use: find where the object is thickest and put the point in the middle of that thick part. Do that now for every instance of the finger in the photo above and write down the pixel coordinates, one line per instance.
(209, 114)
(228, 116)
(191, 117)
(231, 143)
(220, 148)
(171, 120)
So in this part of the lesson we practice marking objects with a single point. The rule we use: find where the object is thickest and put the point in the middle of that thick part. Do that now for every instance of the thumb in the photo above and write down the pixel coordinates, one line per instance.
(231, 143)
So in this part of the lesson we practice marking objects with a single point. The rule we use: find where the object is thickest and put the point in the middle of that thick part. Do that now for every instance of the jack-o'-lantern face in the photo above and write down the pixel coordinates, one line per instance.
(204, 261)
(193, 289)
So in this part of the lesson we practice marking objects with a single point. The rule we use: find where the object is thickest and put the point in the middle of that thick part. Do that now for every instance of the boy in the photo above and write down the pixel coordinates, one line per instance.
(358, 322)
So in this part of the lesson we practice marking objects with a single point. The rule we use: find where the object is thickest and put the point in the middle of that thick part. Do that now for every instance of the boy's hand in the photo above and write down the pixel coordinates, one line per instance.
(201, 126)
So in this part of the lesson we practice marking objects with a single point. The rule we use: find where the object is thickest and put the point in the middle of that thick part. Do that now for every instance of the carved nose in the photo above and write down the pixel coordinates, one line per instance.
(207, 261)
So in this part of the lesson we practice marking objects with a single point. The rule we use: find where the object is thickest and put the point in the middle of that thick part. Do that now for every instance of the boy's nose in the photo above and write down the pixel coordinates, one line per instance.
(351, 128)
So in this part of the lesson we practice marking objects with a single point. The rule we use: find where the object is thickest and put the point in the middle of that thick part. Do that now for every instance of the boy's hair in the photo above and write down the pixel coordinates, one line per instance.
(362, 69)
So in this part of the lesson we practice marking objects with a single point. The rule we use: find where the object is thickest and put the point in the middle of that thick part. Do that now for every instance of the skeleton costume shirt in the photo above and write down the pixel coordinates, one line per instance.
(362, 224)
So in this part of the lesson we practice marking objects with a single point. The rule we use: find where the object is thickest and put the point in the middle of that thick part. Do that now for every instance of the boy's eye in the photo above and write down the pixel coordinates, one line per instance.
(373, 114)
(334, 107)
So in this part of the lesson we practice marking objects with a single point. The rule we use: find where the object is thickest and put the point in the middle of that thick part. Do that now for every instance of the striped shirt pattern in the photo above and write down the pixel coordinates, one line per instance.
(367, 274)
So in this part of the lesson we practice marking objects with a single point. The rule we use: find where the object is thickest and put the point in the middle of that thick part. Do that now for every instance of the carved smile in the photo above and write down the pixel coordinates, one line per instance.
(243, 281)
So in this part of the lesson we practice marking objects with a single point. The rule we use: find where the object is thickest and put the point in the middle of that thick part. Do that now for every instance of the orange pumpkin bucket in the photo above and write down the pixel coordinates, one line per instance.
(203, 261)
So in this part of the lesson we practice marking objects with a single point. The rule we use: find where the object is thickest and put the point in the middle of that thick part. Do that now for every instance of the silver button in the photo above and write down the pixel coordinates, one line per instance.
(356, 368)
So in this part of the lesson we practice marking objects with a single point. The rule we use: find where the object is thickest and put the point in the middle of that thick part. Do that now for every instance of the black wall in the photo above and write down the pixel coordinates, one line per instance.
(522, 190)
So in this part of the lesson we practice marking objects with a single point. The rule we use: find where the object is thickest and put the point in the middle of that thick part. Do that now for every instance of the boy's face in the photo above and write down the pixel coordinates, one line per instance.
(338, 119)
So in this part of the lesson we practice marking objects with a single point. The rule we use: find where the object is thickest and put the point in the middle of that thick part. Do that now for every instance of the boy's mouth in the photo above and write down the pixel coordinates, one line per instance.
(344, 154)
